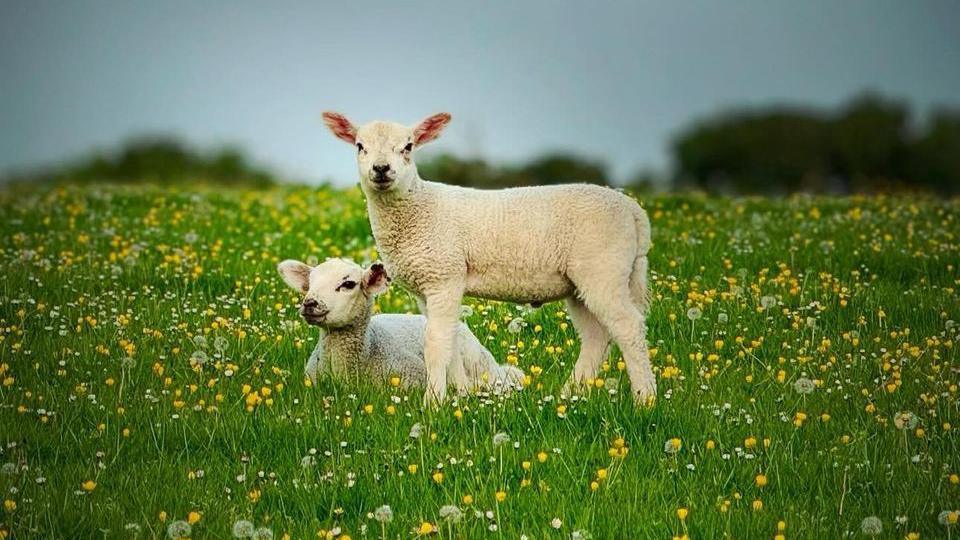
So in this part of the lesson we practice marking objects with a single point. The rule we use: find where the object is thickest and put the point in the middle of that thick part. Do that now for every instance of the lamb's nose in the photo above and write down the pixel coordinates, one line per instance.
(381, 170)
(309, 303)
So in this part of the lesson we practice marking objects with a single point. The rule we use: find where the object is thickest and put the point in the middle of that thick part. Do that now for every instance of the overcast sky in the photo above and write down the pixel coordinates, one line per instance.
(606, 79)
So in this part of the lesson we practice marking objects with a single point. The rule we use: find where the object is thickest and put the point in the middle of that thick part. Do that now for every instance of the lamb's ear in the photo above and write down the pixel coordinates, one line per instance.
(375, 279)
(340, 126)
(430, 128)
(296, 274)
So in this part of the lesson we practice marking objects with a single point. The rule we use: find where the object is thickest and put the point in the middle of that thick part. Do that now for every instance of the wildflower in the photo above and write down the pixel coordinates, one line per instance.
(757, 505)
(264, 533)
(556, 523)
(501, 496)
(672, 446)
(416, 430)
(451, 513)
(515, 326)
(947, 518)
(871, 526)
(768, 302)
(682, 513)
(425, 528)
(760, 480)
(694, 313)
(193, 517)
(905, 420)
(501, 439)
(179, 529)
(89, 485)
(383, 514)
(9, 505)
(580, 534)
(467, 499)
(803, 385)
(242, 529)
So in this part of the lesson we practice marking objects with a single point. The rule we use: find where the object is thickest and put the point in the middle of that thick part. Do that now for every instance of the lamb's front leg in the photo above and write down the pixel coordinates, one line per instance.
(315, 364)
(443, 316)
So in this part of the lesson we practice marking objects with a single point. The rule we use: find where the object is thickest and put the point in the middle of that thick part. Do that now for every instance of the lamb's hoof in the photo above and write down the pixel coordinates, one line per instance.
(646, 397)
(573, 387)
(431, 401)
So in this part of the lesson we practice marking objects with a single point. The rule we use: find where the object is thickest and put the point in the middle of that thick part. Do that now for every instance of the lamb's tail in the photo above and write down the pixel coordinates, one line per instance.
(639, 289)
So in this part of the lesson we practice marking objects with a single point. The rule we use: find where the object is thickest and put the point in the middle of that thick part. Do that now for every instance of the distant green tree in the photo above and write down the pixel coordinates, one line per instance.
(935, 157)
(550, 169)
(160, 160)
(866, 145)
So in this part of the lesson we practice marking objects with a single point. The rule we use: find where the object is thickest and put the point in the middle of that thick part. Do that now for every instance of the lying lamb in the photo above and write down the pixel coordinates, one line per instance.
(587, 244)
(339, 298)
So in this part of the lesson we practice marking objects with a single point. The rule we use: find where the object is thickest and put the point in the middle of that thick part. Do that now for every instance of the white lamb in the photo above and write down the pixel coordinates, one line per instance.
(586, 244)
(339, 298)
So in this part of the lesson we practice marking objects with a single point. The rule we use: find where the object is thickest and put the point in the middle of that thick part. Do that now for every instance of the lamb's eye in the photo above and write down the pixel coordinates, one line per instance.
(348, 285)
(408, 147)
(359, 147)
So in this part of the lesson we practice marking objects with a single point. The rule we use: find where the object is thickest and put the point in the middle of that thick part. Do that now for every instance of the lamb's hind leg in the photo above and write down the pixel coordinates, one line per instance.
(612, 305)
(593, 345)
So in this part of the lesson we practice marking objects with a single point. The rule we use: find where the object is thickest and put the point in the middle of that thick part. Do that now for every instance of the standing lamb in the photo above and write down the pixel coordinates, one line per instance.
(584, 243)
(338, 296)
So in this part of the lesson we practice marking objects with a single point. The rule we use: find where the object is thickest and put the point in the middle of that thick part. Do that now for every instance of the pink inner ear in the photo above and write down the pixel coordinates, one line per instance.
(430, 128)
(340, 126)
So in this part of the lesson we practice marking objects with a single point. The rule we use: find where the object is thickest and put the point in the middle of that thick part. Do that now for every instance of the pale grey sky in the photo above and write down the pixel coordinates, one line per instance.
(612, 80)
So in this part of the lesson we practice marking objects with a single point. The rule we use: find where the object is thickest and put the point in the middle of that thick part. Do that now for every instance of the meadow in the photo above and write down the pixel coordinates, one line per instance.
(152, 380)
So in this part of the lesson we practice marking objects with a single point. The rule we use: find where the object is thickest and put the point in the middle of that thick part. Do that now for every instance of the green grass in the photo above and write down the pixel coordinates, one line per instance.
(106, 292)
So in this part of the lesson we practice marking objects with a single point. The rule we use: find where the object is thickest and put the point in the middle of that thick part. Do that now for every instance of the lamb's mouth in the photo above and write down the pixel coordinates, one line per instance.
(381, 182)
(315, 319)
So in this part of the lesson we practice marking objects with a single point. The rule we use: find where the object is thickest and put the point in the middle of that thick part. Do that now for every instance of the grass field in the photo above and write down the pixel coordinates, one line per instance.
(152, 380)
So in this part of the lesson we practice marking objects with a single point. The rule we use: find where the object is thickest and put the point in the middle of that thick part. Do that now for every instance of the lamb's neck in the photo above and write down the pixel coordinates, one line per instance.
(346, 347)
(391, 212)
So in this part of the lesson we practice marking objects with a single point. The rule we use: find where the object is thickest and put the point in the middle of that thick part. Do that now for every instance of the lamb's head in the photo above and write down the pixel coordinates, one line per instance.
(337, 292)
(385, 149)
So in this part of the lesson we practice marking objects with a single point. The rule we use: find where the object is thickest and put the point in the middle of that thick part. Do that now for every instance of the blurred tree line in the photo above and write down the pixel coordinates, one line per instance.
(868, 145)
(161, 160)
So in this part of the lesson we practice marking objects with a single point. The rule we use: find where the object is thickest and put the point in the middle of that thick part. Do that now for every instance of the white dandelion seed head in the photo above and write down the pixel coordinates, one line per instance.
(804, 385)
(580, 534)
(500, 438)
(242, 529)
(722, 318)
(262, 533)
(466, 311)
(515, 326)
(451, 513)
(416, 430)
(768, 302)
(9, 469)
(220, 343)
(871, 526)
(694, 313)
(200, 341)
(670, 447)
(905, 420)
(556, 523)
(179, 529)
(943, 518)
(191, 237)
(199, 357)
(383, 514)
